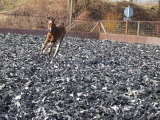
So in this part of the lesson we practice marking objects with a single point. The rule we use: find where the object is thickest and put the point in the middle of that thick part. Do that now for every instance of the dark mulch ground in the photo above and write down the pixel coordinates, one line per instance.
(89, 80)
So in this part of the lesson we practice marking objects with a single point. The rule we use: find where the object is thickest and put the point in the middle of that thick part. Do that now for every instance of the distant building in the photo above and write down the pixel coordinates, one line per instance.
(118, 0)
(138, 1)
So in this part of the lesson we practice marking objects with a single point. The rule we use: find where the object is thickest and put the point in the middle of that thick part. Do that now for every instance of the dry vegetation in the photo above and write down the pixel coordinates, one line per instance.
(31, 14)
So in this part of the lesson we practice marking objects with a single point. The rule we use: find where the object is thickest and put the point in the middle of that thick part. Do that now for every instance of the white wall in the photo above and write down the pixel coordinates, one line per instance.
(142, 2)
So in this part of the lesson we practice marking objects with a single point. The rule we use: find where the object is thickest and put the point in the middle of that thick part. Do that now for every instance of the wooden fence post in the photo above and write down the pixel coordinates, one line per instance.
(99, 27)
(138, 28)
(94, 27)
(103, 27)
(71, 10)
(127, 22)
(100, 24)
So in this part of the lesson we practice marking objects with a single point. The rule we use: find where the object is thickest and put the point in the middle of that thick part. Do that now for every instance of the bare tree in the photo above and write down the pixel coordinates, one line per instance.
(158, 11)
(73, 2)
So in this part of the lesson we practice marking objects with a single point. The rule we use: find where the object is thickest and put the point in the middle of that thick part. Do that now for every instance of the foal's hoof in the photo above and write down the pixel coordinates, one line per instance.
(41, 55)
(49, 55)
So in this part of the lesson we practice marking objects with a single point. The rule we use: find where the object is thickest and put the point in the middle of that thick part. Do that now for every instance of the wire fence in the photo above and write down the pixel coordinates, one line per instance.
(145, 28)
(140, 28)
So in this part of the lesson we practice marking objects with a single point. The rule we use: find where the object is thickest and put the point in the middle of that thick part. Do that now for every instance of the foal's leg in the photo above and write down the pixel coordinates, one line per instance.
(58, 46)
(43, 47)
(47, 47)
(50, 50)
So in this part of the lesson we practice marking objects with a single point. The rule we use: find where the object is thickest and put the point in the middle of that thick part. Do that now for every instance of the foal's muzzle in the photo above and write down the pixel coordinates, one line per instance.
(50, 30)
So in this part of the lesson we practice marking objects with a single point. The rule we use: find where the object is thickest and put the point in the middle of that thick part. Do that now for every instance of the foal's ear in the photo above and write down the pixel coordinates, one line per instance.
(53, 20)
(47, 17)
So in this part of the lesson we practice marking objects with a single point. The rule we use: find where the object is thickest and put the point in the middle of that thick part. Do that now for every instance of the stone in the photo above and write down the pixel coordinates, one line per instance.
(89, 79)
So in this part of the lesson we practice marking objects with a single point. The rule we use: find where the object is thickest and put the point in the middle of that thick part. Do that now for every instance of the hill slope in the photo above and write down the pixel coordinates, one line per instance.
(98, 8)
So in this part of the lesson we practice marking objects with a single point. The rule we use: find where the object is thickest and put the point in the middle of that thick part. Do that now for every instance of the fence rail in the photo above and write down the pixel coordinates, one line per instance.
(139, 28)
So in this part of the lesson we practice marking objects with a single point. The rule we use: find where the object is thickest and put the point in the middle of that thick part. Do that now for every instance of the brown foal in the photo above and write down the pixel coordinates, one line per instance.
(55, 32)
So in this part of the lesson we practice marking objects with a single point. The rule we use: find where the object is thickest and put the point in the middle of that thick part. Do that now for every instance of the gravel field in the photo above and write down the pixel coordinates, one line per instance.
(89, 80)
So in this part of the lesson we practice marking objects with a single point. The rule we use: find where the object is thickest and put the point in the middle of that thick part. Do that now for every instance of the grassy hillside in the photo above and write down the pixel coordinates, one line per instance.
(96, 9)
(10, 5)
(32, 7)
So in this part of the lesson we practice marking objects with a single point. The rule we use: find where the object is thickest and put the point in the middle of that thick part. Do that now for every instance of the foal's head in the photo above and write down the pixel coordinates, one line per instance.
(51, 24)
